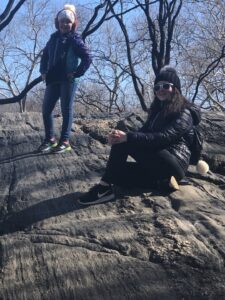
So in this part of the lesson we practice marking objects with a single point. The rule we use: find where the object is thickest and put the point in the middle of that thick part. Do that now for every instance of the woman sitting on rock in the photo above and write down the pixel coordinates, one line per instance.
(160, 148)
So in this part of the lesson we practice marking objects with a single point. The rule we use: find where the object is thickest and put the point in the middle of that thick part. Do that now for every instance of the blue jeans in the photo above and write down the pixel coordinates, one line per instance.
(66, 92)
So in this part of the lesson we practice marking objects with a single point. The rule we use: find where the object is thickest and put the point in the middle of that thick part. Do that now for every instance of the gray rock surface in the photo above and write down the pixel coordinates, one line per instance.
(144, 245)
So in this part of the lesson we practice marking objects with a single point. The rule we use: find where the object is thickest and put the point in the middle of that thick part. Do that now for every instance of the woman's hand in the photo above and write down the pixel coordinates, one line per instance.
(117, 137)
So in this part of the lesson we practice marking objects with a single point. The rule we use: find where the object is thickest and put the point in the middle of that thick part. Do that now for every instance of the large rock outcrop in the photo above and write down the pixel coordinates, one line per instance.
(144, 245)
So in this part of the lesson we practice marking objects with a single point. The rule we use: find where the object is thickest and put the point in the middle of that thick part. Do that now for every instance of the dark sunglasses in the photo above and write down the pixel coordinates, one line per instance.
(164, 86)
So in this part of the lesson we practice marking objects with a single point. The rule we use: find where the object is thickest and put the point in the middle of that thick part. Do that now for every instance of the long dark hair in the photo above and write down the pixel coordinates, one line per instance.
(172, 107)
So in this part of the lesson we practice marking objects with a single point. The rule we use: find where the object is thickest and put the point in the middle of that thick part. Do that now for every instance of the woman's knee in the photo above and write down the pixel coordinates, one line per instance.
(120, 148)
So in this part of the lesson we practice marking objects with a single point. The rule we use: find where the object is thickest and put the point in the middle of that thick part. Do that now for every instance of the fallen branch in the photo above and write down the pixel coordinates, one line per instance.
(22, 94)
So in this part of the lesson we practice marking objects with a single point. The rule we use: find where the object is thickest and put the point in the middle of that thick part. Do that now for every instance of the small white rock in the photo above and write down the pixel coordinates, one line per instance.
(202, 167)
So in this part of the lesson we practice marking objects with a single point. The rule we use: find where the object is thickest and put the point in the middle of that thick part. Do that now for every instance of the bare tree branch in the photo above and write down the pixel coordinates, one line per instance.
(208, 70)
(22, 94)
(88, 30)
(11, 14)
(7, 10)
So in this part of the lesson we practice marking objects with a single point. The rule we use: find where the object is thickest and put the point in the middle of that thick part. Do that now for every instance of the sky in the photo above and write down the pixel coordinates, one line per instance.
(55, 3)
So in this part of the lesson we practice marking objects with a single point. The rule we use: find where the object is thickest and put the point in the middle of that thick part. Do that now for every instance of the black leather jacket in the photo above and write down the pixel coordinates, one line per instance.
(173, 133)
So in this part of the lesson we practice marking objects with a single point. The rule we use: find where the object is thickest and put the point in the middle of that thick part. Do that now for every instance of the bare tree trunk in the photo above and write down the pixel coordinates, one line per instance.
(161, 31)
(138, 91)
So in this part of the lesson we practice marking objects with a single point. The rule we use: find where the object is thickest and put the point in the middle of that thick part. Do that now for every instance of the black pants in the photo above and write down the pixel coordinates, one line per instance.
(148, 168)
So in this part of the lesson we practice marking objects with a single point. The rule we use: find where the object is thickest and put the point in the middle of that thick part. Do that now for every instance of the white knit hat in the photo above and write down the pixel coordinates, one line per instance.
(68, 12)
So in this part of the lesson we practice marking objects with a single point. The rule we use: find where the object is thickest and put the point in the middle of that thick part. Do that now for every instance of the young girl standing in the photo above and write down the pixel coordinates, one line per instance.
(65, 58)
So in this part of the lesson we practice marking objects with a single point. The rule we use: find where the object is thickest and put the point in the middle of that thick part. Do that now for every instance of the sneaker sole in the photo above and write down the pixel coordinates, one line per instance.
(173, 184)
(61, 151)
(45, 150)
(48, 149)
(101, 200)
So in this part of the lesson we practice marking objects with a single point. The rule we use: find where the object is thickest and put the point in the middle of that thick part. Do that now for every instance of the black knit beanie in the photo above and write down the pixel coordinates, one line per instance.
(169, 74)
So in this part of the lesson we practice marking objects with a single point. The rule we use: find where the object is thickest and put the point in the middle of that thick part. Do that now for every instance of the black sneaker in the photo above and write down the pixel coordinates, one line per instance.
(47, 146)
(61, 148)
(97, 194)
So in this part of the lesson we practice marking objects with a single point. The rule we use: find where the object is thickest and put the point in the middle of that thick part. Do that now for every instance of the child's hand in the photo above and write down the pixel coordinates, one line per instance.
(70, 76)
(117, 137)
(43, 76)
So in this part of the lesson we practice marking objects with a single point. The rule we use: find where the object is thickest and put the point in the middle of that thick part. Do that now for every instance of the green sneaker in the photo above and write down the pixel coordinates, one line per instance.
(61, 148)
(47, 146)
